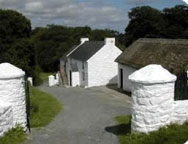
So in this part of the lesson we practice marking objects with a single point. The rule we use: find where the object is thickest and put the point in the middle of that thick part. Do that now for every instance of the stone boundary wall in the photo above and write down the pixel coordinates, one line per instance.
(53, 80)
(180, 112)
(6, 117)
(153, 104)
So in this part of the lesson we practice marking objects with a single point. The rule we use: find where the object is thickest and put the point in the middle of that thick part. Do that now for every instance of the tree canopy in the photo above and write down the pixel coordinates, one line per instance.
(148, 22)
(15, 44)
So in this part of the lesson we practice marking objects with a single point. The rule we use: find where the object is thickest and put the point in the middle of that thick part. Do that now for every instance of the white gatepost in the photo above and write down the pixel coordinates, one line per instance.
(51, 80)
(30, 79)
(152, 98)
(12, 92)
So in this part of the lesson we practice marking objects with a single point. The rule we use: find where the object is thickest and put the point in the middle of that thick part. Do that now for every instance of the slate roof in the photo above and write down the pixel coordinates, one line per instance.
(170, 53)
(87, 50)
(66, 53)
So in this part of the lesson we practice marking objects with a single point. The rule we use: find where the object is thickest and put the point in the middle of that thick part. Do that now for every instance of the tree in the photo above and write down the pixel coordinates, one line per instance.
(13, 26)
(22, 54)
(177, 21)
(152, 23)
(144, 22)
(16, 46)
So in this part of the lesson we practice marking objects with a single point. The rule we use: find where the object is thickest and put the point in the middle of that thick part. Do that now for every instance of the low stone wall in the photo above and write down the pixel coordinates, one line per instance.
(6, 117)
(52, 80)
(180, 112)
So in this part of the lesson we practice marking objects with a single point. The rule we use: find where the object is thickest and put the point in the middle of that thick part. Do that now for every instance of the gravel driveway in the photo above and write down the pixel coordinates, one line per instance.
(85, 116)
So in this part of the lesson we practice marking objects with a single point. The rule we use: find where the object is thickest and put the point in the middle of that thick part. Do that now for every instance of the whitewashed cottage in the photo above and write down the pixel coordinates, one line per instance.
(91, 63)
(172, 54)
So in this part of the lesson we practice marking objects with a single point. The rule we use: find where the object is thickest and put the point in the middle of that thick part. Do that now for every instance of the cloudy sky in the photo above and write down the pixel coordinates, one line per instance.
(94, 13)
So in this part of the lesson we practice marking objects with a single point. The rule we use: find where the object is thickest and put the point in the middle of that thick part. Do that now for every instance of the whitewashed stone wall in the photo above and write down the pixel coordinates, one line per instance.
(52, 80)
(126, 72)
(180, 113)
(12, 91)
(6, 117)
(102, 69)
(152, 98)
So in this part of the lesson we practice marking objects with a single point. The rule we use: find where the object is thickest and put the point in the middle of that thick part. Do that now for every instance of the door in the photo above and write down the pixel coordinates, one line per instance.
(121, 78)
(70, 78)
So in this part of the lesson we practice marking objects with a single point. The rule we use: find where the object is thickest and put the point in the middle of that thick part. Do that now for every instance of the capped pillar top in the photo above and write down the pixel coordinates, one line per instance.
(152, 74)
(8, 70)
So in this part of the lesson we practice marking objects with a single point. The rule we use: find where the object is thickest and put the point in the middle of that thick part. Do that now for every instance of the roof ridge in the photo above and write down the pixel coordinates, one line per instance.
(163, 40)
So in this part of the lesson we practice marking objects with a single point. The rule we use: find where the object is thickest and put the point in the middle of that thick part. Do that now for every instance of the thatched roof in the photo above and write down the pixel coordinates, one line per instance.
(170, 53)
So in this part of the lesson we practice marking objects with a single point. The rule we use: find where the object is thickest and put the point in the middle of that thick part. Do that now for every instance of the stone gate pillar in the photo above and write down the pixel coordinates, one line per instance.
(152, 98)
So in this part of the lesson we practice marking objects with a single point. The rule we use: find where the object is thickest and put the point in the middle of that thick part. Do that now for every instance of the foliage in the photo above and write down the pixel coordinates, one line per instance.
(21, 54)
(13, 26)
(16, 47)
(44, 76)
(172, 134)
(14, 136)
(44, 107)
(148, 22)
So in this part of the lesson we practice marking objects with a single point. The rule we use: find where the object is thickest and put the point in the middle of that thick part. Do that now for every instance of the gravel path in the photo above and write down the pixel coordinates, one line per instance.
(85, 116)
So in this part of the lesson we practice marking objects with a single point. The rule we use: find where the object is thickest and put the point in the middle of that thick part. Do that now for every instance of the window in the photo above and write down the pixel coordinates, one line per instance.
(82, 65)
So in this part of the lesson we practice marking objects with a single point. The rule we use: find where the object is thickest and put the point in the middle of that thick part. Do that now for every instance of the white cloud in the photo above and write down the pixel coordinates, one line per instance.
(138, 2)
(33, 6)
(68, 12)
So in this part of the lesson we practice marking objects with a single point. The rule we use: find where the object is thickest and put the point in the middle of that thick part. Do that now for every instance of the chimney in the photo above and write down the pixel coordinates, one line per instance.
(110, 41)
(82, 40)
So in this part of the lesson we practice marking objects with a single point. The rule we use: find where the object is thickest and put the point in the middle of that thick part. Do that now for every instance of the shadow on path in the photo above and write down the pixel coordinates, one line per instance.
(115, 87)
(121, 129)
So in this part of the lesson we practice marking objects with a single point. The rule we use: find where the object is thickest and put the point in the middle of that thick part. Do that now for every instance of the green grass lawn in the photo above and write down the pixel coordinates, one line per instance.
(44, 75)
(173, 134)
(44, 107)
(14, 136)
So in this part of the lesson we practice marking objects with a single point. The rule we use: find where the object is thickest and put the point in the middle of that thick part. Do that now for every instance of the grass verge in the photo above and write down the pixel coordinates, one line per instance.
(172, 134)
(44, 75)
(13, 136)
(44, 107)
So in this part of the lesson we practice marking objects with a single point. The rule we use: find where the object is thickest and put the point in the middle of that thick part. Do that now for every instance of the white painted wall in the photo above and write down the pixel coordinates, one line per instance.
(126, 72)
(152, 98)
(102, 69)
(12, 91)
(180, 113)
(6, 117)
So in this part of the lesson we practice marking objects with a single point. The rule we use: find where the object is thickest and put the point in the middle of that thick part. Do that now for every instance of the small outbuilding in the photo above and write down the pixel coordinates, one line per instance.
(91, 63)
(172, 54)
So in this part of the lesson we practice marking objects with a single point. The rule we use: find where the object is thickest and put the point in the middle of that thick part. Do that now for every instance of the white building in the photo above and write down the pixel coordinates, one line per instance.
(172, 54)
(91, 63)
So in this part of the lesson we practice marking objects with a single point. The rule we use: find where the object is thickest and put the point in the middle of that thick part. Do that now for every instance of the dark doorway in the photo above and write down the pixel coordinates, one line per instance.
(181, 87)
(121, 78)
(70, 77)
